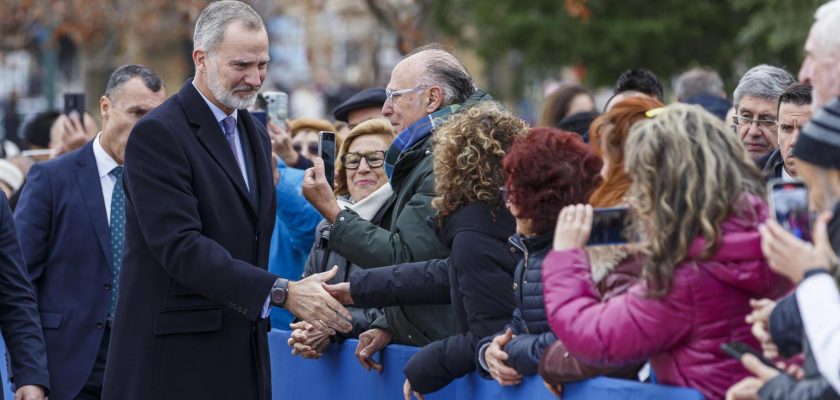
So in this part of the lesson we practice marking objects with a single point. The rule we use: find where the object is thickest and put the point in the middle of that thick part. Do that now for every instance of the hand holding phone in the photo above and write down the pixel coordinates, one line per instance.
(789, 206)
(610, 226)
(74, 103)
(738, 349)
(326, 150)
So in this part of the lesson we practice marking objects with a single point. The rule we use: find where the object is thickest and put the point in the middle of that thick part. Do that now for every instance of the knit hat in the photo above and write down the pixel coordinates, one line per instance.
(372, 97)
(310, 123)
(819, 142)
(10, 175)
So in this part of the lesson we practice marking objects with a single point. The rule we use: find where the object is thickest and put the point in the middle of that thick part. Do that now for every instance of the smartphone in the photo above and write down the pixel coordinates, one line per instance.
(277, 107)
(75, 103)
(260, 116)
(610, 226)
(326, 148)
(738, 349)
(789, 205)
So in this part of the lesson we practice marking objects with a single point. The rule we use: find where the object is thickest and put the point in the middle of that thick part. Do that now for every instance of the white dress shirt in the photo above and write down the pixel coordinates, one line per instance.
(105, 164)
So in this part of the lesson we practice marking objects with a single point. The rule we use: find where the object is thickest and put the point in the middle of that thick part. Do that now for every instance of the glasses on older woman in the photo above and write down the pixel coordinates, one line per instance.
(374, 159)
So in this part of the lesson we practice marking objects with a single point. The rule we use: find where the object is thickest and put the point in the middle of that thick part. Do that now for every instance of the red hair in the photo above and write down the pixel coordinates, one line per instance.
(546, 170)
(609, 133)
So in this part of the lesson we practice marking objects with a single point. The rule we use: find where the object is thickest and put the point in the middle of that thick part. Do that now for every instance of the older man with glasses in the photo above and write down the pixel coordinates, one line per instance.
(427, 87)
(756, 109)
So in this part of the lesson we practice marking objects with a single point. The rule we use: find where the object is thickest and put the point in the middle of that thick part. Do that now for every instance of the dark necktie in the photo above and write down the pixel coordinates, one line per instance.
(117, 233)
(230, 134)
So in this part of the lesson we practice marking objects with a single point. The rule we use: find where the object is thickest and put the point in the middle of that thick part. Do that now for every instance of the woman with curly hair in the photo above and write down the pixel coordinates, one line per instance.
(473, 222)
(696, 197)
(546, 171)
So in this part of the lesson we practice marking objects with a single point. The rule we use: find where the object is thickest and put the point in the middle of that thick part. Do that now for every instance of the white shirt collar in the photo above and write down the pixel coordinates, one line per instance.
(217, 112)
(104, 163)
(787, 177)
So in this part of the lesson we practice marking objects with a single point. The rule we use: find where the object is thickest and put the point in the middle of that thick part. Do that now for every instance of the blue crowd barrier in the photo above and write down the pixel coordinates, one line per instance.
(337, 374)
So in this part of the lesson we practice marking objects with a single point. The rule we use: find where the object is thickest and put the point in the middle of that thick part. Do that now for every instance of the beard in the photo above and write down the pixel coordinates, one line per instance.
(229, 97)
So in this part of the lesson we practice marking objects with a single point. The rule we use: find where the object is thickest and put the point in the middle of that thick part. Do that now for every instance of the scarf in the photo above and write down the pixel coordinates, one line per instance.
(415, 133)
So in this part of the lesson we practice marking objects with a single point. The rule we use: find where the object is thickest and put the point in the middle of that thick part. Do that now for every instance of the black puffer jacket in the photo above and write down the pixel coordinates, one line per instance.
(476, 278)
(529, 324)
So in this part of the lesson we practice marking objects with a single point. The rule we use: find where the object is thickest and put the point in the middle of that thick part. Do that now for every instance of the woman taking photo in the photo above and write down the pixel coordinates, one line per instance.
(614, 267)
(696, 198)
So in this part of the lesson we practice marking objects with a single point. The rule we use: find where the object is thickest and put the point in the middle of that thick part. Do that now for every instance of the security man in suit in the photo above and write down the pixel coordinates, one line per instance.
(71, 218)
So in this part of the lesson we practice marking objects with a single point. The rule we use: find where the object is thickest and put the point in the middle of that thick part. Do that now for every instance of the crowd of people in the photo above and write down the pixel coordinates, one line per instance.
(149, 257)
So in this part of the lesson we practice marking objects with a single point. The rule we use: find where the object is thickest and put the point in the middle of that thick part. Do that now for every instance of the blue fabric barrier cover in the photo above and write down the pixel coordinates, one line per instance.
(337, 374)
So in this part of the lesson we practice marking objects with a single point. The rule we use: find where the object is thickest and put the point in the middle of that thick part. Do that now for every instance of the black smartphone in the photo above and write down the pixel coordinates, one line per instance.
(326, 148)
(738, 349)
(789, 205)
(610, 226)
(75, 103)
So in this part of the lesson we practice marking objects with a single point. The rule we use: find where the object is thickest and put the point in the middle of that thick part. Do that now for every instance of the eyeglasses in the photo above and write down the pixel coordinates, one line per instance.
(375, 159)
(393, 95)
(766, 124)
(311, 147)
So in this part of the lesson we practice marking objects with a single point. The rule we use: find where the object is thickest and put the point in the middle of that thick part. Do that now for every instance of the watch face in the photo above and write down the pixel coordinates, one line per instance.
(278, 295)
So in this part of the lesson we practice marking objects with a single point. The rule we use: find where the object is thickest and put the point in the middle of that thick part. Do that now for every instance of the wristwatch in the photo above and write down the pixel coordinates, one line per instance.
(279, 292)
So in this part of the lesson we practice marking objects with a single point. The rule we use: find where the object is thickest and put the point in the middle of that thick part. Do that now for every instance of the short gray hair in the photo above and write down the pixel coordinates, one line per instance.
(128, 72)
(826, 21)
(211, 24)
(444, 69)
(698, 81)
(764, 82)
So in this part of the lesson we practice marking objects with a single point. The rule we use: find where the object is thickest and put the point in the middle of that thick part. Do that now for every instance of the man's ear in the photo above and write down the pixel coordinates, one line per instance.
(435, 100)
(200, 60)
(105, 109)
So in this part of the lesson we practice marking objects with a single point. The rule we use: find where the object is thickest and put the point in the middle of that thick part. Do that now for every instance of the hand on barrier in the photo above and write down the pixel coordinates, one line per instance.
(556, 390)
(791, 257)
(310, 302)
(495, 357)
(574, 224)
(318, 192)
(307, 341)
(407, 392)
(30, 392)
(370, 342)
(340, 291)
(759, 318)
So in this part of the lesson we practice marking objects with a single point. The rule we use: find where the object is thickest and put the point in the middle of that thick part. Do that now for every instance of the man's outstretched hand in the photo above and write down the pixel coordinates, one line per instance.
(309, 301)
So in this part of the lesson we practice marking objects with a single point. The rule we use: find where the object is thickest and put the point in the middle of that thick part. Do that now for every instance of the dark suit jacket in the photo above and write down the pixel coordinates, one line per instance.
(193, 280)
(18, 310)
(66, 243)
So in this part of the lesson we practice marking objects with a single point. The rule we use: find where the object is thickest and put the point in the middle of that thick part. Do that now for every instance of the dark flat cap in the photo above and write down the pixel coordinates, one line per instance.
(372, 97)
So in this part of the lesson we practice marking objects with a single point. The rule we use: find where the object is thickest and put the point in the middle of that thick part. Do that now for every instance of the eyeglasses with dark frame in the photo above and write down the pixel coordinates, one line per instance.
(393, 95)
(375, 159)
(766, 124)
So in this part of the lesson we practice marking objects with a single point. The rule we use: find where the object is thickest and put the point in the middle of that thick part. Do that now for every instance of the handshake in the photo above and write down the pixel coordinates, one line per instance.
(311, 336)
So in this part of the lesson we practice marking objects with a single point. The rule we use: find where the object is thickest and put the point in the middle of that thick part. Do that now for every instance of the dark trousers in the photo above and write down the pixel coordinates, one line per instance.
(93, 386)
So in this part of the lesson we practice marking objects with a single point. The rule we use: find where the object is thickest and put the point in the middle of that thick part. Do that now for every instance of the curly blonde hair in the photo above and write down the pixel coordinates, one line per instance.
(690, 173)
(468, 152)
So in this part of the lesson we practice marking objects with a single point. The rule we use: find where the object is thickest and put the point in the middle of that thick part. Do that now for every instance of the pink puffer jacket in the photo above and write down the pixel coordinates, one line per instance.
(679, 333)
